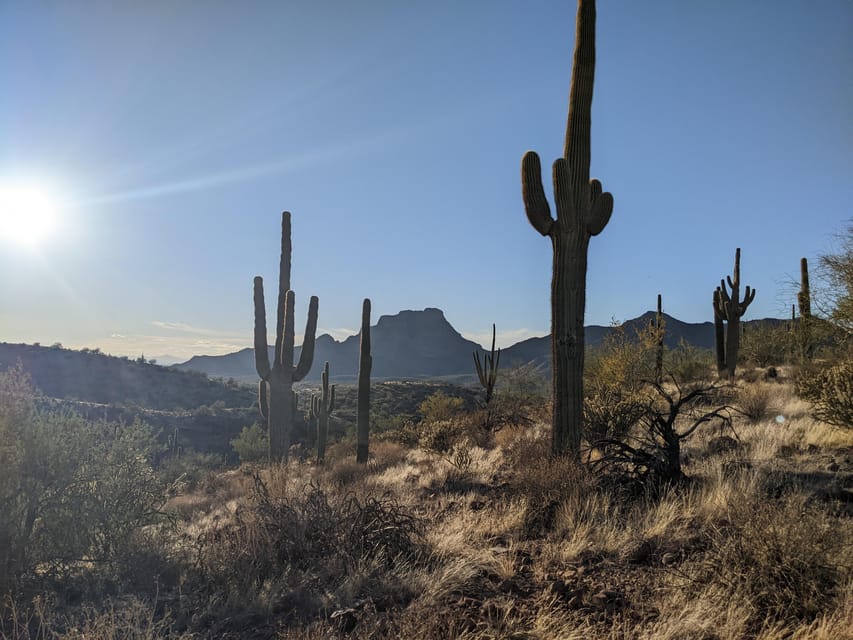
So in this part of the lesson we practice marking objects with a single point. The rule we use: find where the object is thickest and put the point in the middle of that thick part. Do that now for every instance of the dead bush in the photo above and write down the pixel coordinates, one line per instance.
(311, 531)
(753, 401)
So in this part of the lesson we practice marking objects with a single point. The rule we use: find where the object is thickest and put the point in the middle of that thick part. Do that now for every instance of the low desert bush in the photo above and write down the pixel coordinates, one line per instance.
(753, 401)
(782, 562)
(311, 530)
(830, 390)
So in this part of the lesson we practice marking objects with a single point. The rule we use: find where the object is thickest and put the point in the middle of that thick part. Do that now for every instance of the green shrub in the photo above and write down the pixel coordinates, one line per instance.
(439, 406)
(251, 444)
(70, 490)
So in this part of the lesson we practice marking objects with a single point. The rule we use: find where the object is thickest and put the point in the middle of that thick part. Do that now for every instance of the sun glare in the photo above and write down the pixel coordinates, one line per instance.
(27, 215)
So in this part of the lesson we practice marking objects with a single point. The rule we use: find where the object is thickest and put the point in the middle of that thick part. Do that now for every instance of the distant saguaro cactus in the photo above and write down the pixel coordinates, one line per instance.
(321, 408)
(487, 372)
(583, 210)
(365, 363)
(658, 331)
(731, 308)
(804, 304)
(275, 392)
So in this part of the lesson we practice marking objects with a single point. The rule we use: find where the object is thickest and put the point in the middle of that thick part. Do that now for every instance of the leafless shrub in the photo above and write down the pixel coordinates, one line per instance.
(310, 530)
(651, 450)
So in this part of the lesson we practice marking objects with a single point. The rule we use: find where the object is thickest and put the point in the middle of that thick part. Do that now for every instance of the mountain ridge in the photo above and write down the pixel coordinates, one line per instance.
(422, 344)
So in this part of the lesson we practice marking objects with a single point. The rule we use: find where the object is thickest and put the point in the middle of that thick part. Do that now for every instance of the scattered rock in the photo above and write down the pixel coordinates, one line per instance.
(668, 559)
(609, 600)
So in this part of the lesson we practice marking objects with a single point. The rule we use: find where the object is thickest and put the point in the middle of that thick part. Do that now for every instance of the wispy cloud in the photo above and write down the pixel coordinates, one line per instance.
(338, 334)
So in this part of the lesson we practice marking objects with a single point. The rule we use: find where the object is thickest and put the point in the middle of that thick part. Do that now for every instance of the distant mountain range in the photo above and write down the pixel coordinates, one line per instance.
(414, 345)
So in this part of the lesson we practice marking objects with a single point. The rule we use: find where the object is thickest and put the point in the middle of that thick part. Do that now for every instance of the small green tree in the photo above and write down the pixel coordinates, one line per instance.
(439, 406)
(251, 444)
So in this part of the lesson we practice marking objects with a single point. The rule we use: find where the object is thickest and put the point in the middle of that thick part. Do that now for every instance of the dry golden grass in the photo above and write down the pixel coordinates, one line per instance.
(515, 545)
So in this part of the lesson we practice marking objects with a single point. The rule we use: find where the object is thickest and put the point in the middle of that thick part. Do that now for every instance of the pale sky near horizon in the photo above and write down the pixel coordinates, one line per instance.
(171, 135)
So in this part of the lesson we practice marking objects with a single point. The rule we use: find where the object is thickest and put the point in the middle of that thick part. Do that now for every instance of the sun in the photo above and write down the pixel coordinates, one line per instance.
(27, 214)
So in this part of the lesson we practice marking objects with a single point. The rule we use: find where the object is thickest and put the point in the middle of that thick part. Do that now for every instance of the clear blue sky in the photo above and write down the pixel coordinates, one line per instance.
(174, 133)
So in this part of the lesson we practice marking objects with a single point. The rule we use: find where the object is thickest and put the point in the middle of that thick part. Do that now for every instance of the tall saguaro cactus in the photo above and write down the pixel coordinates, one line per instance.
(321, 407)
(275, 391)
(365, 363)
(583, 210)
(731, 308)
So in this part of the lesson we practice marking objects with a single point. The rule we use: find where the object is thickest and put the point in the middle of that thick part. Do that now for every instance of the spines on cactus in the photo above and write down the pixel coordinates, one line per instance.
(275, 391)
(583, 209)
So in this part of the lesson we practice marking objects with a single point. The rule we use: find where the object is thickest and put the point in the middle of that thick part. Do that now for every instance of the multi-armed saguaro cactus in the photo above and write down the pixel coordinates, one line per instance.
(321, 407)
(804, 303)
(583, 210)
(730, 308)
(487, 372)
(365, 362)
(275, 391)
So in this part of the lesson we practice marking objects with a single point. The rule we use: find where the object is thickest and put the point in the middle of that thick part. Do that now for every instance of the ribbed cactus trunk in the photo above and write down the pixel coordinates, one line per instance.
(276, 398)
(583, 210)
(731, 309)
(322, 407)
(365, 363)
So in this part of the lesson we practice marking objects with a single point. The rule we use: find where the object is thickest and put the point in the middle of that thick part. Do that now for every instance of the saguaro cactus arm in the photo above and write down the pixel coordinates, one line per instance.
(306, 357)
(262, 359)
(283, 281)
(535, 203)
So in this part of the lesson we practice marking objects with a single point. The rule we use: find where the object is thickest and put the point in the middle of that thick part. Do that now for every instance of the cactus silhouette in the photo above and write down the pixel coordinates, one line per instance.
(804, 304)
(276, 397)
(321, 408)
(730, 308)
(719, 334)
(583, 210)
(658, 327)
(487, 372)
(365, 362)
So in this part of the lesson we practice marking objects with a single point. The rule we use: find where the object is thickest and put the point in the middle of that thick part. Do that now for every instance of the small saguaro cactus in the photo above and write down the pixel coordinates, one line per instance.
(276, 397)
(365, 363)
(583, 210)
(487, 372)
(731, 308)
(321, 408)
